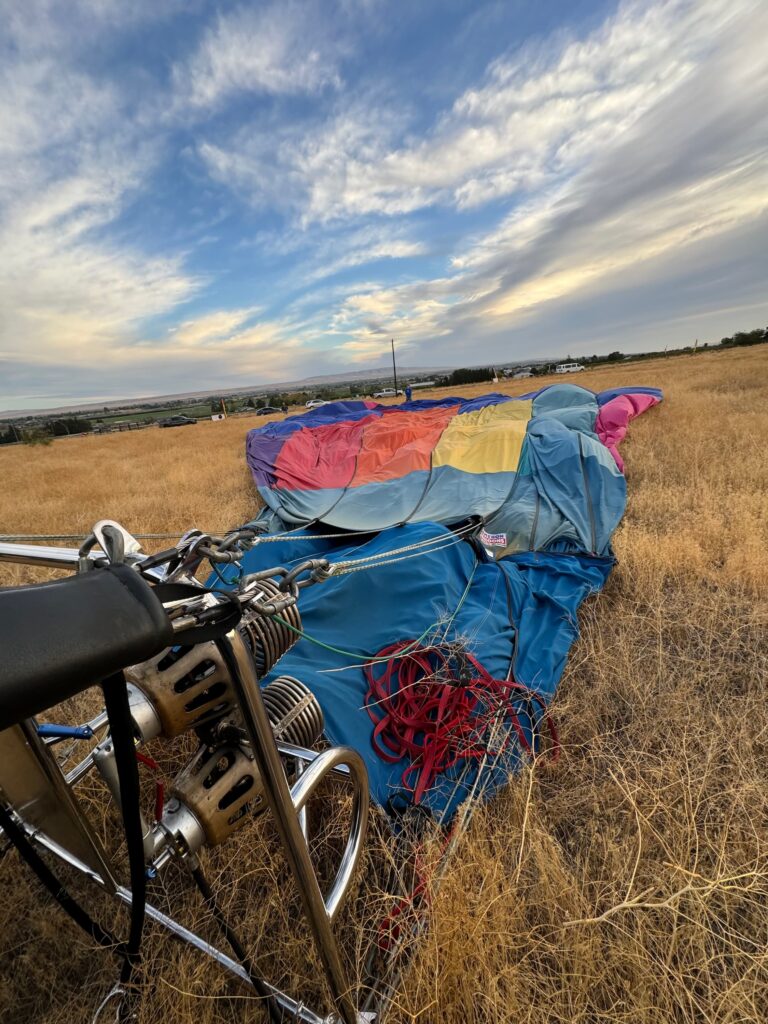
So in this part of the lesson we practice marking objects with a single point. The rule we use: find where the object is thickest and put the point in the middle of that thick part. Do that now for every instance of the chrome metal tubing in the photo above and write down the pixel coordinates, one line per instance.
(303, 789)
(278, 796)
(307, 756)
(39, 554)
(80, 770)
(296, 1010)
(298, 768)
(61, 558)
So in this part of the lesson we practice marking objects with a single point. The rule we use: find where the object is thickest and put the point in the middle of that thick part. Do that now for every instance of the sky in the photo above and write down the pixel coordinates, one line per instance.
(201, 195)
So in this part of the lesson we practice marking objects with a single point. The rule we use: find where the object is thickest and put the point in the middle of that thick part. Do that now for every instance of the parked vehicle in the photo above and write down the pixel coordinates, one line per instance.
(569, 368)
(387, 393)
(521, 375)
(315, 403)
(176, 421)
(267, 410)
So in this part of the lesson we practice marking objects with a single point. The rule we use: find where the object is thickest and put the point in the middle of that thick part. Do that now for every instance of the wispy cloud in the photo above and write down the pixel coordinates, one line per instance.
(303, 169)
(212, 327)
(692, 166)
(281, 48)
(360, 248)
(70, 161)
(541, 114)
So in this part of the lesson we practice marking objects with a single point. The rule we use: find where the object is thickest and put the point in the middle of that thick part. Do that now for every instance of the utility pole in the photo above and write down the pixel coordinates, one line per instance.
(394, 366)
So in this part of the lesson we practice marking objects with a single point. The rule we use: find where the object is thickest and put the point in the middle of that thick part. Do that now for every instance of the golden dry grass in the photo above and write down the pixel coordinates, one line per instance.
(626, 884)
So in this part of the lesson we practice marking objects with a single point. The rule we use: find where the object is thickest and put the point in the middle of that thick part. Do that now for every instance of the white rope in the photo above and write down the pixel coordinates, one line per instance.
(386, 557)
(342, 569)
(274, 538)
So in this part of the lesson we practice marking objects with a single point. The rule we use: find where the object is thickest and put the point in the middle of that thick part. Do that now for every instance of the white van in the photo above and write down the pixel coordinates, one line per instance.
(569, 368)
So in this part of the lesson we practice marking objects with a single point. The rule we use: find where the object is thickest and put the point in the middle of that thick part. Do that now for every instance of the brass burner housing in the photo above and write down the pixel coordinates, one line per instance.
(222, 788)
(187, 686)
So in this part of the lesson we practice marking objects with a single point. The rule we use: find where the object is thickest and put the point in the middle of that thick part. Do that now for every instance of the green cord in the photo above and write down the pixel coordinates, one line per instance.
(371, 659)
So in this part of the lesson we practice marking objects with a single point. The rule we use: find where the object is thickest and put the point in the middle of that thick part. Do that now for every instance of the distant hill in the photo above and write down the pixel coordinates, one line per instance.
(306, 383)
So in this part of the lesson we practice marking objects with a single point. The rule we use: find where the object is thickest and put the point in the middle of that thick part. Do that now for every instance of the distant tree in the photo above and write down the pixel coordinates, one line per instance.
(474, 375)
(69, 425)
(8, 434)
(35, 435)
(749, 337)
(756, 337)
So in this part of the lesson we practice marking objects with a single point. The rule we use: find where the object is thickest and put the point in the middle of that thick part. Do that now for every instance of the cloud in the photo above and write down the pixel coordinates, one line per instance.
(283, 48)
(227, 333)
(71, 160)
(692, 170)
(541, 114)
(299, 168)
(62, 288)
(225, 347)
(212, 327)
(411, 312)
(360, 247)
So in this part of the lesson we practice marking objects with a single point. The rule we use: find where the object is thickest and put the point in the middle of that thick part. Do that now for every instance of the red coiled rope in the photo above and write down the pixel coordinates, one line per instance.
(436, 706)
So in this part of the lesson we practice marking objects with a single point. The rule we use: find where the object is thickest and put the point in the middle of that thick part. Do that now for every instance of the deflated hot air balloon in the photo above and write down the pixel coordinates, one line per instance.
(459, 537)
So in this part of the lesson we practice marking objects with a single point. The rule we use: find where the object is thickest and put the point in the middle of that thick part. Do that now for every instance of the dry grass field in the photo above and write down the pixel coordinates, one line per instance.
(628, 883)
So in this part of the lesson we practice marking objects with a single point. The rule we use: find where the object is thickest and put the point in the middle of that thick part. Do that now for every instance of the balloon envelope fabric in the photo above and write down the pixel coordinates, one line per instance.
(540, 470)
(482, 524)
(517, 614)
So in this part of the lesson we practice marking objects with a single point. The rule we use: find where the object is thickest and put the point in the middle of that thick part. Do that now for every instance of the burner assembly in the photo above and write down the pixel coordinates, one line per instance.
(186, 688)
(175, 661)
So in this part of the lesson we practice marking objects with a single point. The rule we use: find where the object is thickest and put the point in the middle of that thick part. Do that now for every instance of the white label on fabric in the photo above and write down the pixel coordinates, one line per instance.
(493, 540)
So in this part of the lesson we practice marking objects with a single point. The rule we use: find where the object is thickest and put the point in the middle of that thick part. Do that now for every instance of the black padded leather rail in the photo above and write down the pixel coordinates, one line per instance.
(59, 638)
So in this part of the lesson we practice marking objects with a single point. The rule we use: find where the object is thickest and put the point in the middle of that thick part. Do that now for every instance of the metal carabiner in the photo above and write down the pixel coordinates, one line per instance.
(313, 566)
(274, 607)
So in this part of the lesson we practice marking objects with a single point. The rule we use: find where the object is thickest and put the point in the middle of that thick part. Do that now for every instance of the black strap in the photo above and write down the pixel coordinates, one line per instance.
(121, 731)
(80, 916)
(274, 1010)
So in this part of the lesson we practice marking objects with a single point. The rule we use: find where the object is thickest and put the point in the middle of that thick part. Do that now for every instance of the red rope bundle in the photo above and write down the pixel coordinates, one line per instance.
(436, 706)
